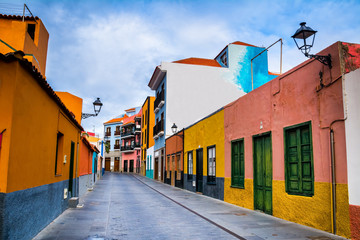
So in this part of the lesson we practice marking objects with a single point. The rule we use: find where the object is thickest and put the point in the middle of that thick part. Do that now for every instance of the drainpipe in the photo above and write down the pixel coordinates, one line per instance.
(333, 181)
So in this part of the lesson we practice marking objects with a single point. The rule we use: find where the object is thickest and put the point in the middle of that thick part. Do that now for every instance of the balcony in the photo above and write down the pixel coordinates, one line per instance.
(107, 134)
(129, 148)
(129, 133)
(137, 145)
(117, 146)
(158, 129)
(138, 128)
(117, 133)
(159, 101)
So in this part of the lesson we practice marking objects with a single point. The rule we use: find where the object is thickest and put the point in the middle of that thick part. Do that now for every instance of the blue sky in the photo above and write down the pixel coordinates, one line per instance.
(109, 49)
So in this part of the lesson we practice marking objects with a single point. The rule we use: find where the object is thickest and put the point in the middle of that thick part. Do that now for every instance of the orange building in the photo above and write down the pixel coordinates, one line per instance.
(147, 140)
(39, 135)
(174, 165)
(29, 36)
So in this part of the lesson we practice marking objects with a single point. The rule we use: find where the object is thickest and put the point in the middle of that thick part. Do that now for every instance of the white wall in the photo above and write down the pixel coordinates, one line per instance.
(195, 91)
(150, 152)
(352, 131)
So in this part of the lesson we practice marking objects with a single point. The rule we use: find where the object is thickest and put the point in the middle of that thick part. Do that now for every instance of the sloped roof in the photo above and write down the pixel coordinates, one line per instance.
(199, 61)
(32, 70)
(131, 119)
(17, 17)
(243, 44)
(114, 120)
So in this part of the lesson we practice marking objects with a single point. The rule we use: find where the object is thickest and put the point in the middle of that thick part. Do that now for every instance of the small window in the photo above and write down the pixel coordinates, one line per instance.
(31, 31)
(211, 178)
(299, 168)
(237, 164)
(224, 59)
(190, 166)
(178, 163)
(59, 153)
(168, 167)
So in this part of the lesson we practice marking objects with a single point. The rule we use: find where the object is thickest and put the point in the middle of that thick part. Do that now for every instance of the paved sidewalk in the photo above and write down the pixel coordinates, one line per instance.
(125, 206)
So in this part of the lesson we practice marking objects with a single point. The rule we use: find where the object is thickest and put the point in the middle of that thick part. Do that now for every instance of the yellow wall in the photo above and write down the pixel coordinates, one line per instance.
(33, 121)
(207, 132)
(238, 196)
(14, 33)
(150, 122)
(312, 211)
(73, 103)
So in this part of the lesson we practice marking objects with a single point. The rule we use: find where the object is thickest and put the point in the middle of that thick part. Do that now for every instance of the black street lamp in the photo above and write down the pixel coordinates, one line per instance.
(301, 36)
(174, 128)
(97, 107)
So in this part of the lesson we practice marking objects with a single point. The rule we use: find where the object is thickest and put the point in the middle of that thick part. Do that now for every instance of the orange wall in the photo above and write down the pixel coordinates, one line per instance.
(148, 107)
(85, 158)
(32, 121)
(73, 103)
(14, 33)
(174, 144)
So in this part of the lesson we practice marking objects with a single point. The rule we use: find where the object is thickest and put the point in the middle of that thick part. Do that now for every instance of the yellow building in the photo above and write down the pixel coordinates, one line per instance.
(29, 36)
(204, 156)
(147, 140)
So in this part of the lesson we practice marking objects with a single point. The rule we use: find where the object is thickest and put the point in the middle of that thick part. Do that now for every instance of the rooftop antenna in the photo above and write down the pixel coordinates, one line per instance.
(252, 78)
(23, 16)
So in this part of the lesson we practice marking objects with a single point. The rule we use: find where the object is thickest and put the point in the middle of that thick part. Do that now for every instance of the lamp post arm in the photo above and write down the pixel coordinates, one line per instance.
(326, 60)
(86, 115)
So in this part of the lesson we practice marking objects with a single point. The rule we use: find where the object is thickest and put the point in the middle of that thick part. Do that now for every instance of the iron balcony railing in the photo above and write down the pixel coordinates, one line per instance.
(158, 128)
(116, 133)
(159, 98)
(127, 148)
(117, 146)
(107, 134)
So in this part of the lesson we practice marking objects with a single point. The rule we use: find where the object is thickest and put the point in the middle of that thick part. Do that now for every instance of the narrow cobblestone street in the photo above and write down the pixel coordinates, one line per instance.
(123, 206)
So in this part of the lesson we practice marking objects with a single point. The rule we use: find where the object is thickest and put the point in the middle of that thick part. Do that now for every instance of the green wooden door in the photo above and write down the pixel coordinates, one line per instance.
(263, 173)
(237, 163)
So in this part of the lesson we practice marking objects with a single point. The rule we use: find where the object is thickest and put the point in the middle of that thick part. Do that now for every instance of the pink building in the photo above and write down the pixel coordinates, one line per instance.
(130, 143)
(291, 145)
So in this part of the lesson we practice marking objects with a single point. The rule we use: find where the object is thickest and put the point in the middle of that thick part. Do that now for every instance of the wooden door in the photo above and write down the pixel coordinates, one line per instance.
(131, 169)
(107, 164)
(116, 166)
(125, 165)
(156, 168)
(71, 171)
(173, 170)
(199, 170)
(263, 173)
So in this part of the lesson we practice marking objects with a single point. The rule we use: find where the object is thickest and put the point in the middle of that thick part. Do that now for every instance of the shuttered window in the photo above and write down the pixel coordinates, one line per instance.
(211, 178)
(190, 165)
(299, 168)
(237, 163)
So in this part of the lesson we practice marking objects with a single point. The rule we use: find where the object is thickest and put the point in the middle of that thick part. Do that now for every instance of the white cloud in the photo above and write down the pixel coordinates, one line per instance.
(111, 51)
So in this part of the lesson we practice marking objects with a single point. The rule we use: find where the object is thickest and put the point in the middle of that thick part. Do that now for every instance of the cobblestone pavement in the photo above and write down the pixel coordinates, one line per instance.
(125, 206)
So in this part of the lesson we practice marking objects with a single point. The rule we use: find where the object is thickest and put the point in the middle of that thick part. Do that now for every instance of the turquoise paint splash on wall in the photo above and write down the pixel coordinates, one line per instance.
(260, 69)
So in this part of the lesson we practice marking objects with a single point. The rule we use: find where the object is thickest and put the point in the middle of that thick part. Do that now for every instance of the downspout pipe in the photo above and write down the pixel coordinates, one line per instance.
(333, 181)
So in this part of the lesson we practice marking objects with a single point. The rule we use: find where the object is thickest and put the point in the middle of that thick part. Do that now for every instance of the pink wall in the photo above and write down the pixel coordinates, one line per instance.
(287, 100)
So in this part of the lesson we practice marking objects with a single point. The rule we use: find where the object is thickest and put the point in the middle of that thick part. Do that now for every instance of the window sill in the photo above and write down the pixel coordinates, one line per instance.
(211, 183)
(300, 194)
(233, 186)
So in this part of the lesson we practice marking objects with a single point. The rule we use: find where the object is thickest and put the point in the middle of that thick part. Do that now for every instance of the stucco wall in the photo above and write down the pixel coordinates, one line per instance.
(293, 98)
(205, 133)
(40, 204)
(351, 104)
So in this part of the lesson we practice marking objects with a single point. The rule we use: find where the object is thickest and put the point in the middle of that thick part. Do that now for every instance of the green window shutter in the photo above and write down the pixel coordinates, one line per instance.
(237, 163)
(298, 160)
